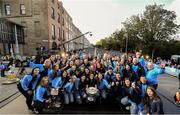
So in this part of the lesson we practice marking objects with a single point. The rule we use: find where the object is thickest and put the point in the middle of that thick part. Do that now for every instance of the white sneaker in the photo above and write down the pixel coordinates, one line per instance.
(128, 108)
(30, 111)
(36, 112)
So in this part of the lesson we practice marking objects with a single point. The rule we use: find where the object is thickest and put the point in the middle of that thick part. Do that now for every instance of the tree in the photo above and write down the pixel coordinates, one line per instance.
(152, 31)
(154, 25)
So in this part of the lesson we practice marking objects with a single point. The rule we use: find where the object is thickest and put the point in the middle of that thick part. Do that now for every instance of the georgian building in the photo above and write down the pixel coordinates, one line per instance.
(46, 23)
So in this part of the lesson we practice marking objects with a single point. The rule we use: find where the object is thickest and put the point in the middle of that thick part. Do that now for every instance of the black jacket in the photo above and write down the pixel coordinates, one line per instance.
(154, 106)
(133, 94)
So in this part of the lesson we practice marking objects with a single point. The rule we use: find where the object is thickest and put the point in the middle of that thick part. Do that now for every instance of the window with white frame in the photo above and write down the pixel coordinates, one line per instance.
(52, 13)
(59, 30)
(22, 9)
(7, 10)
(53, 31)
(59, 18)
(63, 35)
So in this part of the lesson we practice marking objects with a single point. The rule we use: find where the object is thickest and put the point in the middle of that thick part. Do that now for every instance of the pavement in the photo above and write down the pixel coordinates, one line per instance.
(167, 87)
(10, 91)
(17, 106)
(12, 108)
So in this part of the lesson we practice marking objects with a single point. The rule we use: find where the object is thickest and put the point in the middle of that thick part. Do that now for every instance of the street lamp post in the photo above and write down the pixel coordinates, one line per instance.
(17, 45)
(83, 44)
(179, 80)
(126, 37)
(77, 37)
(90, 33)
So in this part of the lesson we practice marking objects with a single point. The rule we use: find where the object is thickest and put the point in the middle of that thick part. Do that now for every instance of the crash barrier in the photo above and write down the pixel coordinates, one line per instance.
(171, 70)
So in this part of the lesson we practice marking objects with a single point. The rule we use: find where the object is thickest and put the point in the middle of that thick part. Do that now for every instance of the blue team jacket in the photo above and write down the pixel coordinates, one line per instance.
(103, 84)
(152, 74)
(50, 75)
(142, 62)
(120, 70)
(56, 82)
(109, 77)
(26, 81)
(40, 93)
(70, 86)
(143, 88)
(138, 70)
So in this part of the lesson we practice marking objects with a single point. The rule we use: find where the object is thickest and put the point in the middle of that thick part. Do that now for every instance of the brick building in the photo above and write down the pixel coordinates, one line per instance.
(46, 23)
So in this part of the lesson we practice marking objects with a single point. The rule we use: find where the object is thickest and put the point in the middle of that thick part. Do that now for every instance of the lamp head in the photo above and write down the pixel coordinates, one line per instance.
(90, 34)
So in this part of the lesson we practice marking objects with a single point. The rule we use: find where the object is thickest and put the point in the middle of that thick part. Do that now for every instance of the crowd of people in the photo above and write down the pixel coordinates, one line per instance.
(130, 81)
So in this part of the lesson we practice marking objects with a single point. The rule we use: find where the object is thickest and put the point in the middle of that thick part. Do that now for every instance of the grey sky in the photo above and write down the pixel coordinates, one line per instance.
(103, 17)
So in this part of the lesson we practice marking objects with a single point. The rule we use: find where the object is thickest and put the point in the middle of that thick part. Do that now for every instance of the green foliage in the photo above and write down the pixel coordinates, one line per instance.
(150, 31)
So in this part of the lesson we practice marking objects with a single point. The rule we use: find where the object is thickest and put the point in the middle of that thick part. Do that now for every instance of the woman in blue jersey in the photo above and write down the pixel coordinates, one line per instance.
(102, 85)
(69, 89)
(54, 76)
(28, 84)
(152, 74)
(42, 96)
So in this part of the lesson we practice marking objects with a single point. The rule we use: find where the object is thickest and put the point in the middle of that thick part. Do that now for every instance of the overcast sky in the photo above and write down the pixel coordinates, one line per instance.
(103, 17)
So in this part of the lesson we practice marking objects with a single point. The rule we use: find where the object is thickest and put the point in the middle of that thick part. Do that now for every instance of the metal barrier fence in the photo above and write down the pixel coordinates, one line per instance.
(172, 71)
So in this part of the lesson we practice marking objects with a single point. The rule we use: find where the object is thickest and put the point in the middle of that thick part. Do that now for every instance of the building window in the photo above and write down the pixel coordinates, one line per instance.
(54, 46)
(53, 31)
(22, 9)
(52, 13)
(59, 30)
(59, 18)
(37, 28)
(36, 9)
(63, 36)
(63, 21)
(58, 6)
(7, 10)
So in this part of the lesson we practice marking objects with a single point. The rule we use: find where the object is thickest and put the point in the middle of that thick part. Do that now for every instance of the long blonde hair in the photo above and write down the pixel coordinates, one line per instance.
(117, 68)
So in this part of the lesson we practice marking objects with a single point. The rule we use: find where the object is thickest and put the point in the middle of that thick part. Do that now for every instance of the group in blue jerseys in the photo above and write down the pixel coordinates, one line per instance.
(129, 81)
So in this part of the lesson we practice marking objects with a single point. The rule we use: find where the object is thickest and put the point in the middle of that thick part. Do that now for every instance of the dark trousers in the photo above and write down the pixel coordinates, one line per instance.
(61, 95)
(2, 72)
(39, 106)
(28, 97)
